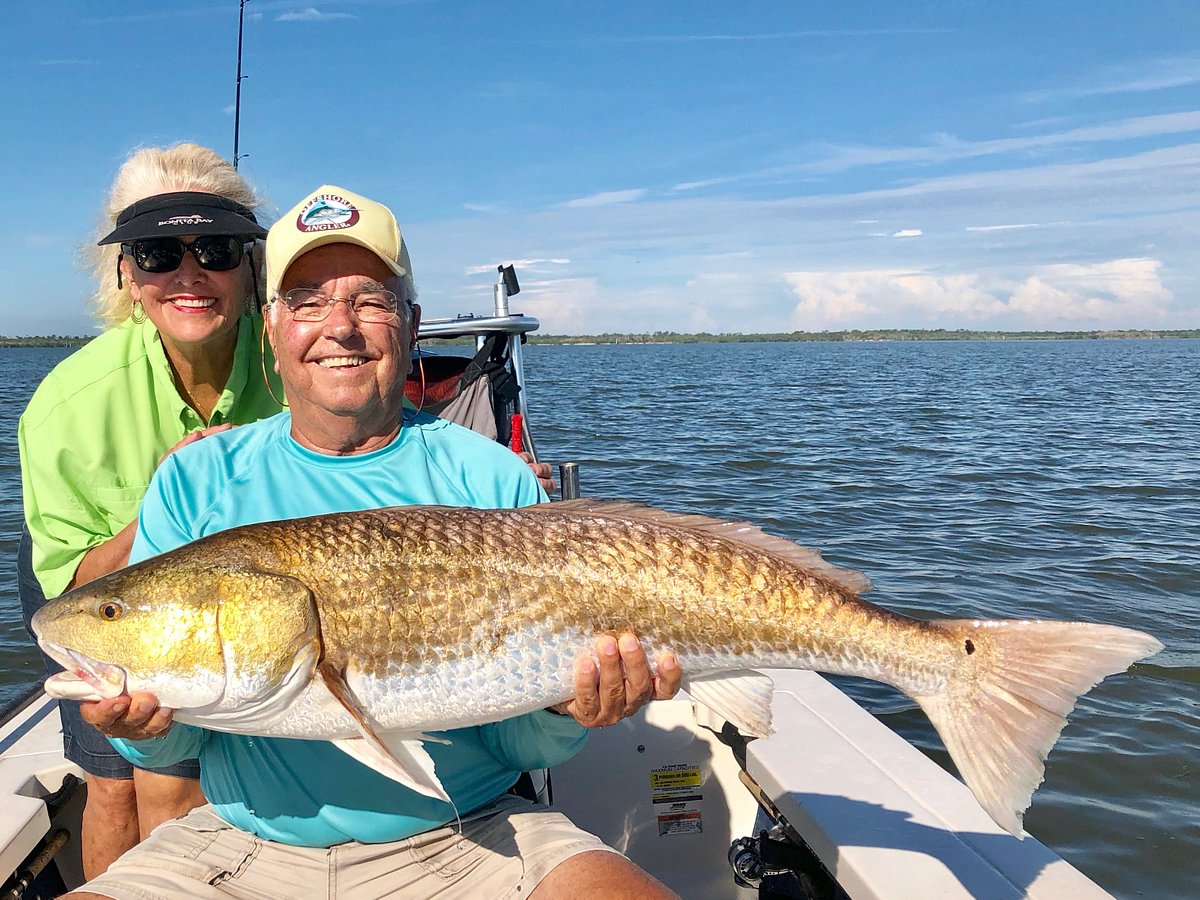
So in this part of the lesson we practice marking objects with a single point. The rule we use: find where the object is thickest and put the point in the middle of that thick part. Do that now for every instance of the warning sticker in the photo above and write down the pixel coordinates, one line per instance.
(681, 823)
(676, 798)
(675, 791)
(676, 777)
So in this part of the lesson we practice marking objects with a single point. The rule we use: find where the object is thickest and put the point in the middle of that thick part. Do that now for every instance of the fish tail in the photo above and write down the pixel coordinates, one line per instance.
(1005, 705)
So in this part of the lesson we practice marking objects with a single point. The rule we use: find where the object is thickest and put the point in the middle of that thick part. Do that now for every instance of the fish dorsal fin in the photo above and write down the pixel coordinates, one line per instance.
(736, 532)
(400, 757)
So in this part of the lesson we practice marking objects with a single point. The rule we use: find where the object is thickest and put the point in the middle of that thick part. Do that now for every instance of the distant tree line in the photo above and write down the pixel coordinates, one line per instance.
(704, 337)
(880, 334)
(53, 340)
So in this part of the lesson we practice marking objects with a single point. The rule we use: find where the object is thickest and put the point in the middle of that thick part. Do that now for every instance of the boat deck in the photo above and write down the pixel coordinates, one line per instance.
(32, 768)
(886, 819)
(883, 818)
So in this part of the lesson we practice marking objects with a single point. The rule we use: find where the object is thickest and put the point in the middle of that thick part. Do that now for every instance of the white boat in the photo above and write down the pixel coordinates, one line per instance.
(833, 804)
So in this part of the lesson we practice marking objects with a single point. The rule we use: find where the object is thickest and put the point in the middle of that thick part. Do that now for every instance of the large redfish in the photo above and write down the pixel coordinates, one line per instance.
(370, 628)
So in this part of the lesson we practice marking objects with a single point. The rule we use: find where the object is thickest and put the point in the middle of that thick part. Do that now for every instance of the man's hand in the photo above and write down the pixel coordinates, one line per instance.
(622, 685)
(543, 471)
(134, 718)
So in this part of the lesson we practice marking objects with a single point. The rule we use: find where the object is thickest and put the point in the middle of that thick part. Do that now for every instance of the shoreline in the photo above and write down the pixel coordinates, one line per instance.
(672, 337)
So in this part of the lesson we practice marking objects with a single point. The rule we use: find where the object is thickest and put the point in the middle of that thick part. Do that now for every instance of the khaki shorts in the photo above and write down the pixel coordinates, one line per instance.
(505, 849)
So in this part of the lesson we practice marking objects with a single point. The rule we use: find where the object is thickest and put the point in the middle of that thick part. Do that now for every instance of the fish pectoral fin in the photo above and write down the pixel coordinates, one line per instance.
(741, 697)
(397, 755)
(401, 758)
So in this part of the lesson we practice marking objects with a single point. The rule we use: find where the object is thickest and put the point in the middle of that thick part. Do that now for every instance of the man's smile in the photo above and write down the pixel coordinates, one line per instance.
(341, 362)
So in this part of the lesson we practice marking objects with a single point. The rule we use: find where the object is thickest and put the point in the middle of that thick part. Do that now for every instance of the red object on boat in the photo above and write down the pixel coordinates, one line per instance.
(516, 441)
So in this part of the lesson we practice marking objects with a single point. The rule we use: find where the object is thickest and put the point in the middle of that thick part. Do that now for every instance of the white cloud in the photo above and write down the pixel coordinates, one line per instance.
(311, 14)
(946, 148)
(1120, 293)
(526, 265)
(581, 305)
(883, 298)
(1005, 227)
(513, 90)
(563, 305)
(674, 254)
(1155, 75)
(942, 148)
(607, 198)
(768, 36)
(908, 233)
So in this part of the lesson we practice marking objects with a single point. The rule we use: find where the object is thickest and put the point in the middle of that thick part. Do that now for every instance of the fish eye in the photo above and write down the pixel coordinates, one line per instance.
(110, 610)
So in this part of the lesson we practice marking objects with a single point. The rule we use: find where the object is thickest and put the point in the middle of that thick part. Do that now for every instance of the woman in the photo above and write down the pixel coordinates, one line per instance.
(177, 292)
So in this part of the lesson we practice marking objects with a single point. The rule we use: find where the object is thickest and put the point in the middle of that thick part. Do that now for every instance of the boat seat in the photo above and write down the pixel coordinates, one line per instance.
(476, 392)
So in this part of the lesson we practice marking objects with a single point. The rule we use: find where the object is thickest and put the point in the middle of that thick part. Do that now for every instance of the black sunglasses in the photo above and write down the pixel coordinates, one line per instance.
(217, 253)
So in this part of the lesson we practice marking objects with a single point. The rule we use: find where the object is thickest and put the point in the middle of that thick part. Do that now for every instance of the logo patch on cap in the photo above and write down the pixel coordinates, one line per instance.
(327, 212)
(193, 219)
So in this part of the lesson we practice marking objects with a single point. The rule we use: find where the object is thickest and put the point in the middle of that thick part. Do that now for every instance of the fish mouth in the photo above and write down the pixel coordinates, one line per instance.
(85, 678)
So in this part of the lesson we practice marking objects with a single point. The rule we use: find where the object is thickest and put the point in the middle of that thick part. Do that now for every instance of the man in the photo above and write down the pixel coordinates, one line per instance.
(288, 816)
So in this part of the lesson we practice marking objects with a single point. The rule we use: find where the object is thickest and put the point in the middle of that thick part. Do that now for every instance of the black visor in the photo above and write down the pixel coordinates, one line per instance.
(184, 212)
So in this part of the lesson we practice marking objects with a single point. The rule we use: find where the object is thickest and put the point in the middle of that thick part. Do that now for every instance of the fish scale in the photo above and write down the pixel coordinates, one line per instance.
(438, 577)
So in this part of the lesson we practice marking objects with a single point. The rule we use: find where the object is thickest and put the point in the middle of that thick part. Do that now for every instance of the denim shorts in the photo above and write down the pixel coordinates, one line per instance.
(82, 744)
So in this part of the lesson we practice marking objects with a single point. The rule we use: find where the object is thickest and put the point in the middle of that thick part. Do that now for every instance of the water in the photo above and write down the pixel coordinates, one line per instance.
(1028, 479)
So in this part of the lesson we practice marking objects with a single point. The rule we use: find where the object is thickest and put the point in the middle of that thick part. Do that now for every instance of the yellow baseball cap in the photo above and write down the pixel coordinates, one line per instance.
(334, 215)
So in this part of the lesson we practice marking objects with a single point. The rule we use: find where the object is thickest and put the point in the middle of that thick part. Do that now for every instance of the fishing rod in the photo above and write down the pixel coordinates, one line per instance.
(237, 101)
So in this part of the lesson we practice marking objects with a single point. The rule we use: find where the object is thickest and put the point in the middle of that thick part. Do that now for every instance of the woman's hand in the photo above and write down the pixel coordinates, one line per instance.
(194, 436)
(543, 472)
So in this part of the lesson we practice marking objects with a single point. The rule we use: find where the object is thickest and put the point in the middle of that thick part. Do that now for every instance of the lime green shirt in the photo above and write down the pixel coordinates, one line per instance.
(96, 428)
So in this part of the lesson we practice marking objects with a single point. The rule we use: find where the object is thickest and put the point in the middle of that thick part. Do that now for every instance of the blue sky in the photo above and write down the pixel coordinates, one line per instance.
(747, 166)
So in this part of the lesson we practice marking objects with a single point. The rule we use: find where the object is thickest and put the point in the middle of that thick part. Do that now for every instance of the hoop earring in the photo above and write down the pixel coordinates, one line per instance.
(262, 359)
(420, 364)
(137, 312)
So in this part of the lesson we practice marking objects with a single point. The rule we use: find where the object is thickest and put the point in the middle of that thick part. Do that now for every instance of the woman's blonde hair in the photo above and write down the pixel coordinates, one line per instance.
(148, 172)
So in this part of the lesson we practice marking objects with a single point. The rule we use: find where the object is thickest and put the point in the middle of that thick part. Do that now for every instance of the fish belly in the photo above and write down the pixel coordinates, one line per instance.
(530, 670)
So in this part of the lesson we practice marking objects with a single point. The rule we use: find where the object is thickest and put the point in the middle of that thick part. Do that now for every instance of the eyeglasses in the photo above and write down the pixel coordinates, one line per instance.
(370, 305)
(216, 253)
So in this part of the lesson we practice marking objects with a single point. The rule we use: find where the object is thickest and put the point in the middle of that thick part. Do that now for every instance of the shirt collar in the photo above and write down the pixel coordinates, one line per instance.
(247, 335)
